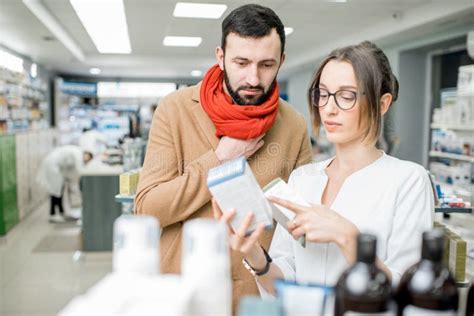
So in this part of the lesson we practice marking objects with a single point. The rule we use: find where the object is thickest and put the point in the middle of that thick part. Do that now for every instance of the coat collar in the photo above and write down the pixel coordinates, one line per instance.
(202, 119)
(196, 89)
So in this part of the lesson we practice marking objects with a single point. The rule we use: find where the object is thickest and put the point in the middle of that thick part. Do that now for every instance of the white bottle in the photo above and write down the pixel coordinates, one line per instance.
(205, 267)
(136, 245)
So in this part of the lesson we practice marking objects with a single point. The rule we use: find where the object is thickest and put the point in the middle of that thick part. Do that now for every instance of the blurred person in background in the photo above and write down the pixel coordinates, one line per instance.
(58, 168)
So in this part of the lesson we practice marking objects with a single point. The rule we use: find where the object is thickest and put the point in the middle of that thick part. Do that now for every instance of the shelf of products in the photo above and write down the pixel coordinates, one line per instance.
(462, 190)
(79, 106)
(451, 159)
(23, 102)
(464, 210)
(452, 138)
(460, 127)
(439, 154)
(460, 187)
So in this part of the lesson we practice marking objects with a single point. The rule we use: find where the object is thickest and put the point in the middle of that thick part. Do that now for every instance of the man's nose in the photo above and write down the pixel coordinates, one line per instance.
(252, 76)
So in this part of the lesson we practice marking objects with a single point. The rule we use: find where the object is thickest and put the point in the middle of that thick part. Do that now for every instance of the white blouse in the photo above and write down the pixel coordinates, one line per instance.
(390, 198)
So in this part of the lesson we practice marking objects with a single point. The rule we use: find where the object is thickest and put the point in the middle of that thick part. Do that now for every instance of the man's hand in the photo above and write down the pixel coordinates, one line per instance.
(230, 148)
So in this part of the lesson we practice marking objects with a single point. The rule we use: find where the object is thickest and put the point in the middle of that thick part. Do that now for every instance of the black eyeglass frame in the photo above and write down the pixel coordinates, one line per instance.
(313, 98)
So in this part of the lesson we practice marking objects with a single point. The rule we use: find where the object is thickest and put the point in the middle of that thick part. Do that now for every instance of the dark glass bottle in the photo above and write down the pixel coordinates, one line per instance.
(428, 288)
(470, 300)
(363, 288)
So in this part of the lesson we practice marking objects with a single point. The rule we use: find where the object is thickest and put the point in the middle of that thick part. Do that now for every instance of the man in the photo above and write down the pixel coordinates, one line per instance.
(234, 111)
(59, 167)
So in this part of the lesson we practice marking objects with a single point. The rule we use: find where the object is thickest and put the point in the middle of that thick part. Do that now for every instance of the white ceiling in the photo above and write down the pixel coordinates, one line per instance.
(320, 25)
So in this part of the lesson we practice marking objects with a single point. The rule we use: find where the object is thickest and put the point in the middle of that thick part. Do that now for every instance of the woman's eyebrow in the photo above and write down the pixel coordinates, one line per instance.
(340, 87)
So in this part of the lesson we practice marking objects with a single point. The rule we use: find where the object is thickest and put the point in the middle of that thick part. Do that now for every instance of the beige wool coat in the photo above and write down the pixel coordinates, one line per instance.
(180, 152)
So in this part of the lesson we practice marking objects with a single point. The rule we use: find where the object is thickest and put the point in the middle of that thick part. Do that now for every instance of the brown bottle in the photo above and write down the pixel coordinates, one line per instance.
(428, 288)
(470, 300)
(363, 288)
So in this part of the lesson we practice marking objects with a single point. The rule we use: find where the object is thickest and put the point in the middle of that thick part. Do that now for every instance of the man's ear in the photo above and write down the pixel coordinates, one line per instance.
(220, 57)
(282, 59)
(385, 102)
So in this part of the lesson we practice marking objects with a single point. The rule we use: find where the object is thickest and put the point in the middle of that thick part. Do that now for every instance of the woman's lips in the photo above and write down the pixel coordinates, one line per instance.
(331, 125)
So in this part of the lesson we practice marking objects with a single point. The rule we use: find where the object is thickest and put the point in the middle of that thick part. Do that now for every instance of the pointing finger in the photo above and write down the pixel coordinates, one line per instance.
(296, 208)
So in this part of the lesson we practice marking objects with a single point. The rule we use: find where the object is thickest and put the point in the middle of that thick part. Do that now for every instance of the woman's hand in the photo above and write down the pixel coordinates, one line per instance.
(248, 246)
(320, 224)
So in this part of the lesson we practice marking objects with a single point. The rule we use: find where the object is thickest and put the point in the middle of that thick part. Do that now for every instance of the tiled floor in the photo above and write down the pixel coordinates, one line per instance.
(41, 280)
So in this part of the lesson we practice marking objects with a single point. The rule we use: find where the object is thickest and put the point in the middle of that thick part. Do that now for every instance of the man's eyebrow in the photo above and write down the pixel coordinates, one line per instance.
(261, 61)
(240, 58)
(272, 60)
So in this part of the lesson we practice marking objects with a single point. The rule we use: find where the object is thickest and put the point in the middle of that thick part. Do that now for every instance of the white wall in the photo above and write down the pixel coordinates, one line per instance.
(297, 87)
(409, 109)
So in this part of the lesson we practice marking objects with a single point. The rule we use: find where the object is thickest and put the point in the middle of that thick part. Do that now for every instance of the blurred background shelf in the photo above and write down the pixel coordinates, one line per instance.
(460, 127)
(124, 198)
(440, 154)
(464, 210)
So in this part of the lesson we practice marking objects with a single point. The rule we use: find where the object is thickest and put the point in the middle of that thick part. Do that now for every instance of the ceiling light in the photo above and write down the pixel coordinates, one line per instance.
(106, 24)
(11, 62)
(199, 10)
(288, 30)
(95, 71)
(34, 70)
(182, 41)
(196, 73)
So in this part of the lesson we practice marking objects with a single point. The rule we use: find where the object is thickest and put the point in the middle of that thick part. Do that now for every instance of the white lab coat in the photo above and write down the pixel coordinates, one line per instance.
(390, 198)
(61, 165)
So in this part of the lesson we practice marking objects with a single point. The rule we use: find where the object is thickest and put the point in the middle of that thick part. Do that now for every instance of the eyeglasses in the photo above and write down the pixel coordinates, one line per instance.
(345, 99)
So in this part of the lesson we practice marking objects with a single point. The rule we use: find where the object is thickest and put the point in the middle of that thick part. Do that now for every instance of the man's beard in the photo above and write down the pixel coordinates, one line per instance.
(253, 100)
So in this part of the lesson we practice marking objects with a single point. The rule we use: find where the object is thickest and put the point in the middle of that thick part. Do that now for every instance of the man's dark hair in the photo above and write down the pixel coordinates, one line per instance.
(252, 20)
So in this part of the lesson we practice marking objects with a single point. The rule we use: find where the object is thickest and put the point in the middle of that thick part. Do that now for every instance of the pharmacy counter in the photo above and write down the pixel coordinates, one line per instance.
(98, 168)
(100, 184)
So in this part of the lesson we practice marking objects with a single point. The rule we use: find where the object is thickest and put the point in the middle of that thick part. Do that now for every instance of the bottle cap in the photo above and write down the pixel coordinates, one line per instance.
(136, 245)
(366, 248)
(432, 246)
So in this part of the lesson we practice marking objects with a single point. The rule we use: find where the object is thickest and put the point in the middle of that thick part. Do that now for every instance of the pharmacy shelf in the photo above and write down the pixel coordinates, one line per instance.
(464, 210)
(124, 198)
(440, 154)
(465, 94)
(466, 190)
(459, 127)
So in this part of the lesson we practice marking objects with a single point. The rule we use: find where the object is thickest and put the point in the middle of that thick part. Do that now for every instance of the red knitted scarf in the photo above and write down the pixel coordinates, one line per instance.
(237, 121)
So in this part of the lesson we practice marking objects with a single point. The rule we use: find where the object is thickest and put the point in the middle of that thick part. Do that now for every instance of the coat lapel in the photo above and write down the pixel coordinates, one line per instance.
(203, 120)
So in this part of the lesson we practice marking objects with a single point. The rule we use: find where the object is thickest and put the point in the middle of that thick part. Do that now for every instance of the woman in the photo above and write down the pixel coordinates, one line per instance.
(360, 189)
(61, 166)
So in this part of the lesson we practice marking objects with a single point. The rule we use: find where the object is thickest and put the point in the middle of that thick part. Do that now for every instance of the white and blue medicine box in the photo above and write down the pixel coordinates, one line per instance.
(234, 186)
